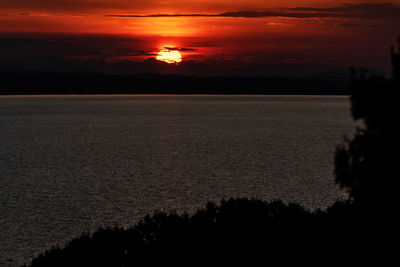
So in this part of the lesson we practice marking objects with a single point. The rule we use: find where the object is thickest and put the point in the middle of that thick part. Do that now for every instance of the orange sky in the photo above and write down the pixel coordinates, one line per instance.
(145, 6)
(244, 30)
(87, 16)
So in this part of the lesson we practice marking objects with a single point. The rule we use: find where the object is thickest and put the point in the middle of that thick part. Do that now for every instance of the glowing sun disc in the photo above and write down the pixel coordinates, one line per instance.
(169, 56)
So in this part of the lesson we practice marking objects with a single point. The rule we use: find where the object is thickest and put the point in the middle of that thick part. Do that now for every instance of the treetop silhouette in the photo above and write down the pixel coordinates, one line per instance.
(366, 165)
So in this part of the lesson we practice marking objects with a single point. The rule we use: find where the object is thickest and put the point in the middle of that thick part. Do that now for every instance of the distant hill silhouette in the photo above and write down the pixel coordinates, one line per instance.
(62, 75)
(95, 83)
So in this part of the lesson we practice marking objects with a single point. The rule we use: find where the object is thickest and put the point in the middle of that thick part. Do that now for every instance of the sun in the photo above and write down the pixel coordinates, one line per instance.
(169, 56)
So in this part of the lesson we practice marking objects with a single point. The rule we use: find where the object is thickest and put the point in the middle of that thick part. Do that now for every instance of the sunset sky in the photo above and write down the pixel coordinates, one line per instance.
(238, 36)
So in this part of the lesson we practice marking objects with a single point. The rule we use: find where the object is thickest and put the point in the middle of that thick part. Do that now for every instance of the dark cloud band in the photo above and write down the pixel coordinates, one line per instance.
(360, 11)
(183, 49)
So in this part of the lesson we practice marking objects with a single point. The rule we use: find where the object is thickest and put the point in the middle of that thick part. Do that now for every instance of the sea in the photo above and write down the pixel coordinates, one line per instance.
(70, 164)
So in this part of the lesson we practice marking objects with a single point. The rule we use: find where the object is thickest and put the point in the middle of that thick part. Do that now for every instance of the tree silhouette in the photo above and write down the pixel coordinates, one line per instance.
(366, 165)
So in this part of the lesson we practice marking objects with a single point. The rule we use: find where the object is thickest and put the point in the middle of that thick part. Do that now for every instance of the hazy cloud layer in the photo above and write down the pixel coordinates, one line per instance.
(125, 55)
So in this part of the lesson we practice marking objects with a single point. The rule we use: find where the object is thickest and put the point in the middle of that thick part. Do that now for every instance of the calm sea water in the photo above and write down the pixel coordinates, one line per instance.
(72, 163)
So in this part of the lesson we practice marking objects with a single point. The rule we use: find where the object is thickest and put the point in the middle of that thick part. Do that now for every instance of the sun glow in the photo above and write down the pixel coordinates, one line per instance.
(169, 56)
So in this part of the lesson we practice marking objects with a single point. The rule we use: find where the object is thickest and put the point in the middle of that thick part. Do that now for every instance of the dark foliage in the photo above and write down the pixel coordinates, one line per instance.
(237, 229)
(366, 165)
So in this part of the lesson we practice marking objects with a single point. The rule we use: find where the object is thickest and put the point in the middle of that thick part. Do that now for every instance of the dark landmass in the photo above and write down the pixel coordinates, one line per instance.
(14, 83)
